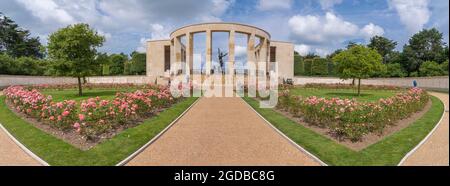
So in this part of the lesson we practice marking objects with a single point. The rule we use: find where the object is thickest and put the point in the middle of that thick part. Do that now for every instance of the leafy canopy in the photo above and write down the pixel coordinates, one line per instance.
(16, 41)
(74, 50)
(358, 62)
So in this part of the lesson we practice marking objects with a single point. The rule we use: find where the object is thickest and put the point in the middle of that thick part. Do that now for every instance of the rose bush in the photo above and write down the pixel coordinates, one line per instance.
(94, 116)
(349, 118)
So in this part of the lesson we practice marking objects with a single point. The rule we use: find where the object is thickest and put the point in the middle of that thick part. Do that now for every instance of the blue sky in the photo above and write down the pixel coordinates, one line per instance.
(318, 26)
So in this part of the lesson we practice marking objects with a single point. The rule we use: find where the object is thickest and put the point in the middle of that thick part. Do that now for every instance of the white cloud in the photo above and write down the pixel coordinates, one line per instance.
(311, 29)
(302, 49)
(413, 14)
(329, 4)
(274, 4)
(240, 51)
(142, 45)
(323, 34)
(318, 29)
(125, 21)
(157, 31)
(47, 10)
(371, 30)
(104, 34)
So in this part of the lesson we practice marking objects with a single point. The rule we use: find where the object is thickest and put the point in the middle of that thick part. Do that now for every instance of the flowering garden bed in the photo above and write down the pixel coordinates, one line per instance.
(352, 119)
(88, 122)
(388, 148)
(57, 151)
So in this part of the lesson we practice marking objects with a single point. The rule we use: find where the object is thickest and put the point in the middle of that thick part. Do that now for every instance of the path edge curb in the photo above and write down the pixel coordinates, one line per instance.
(411, 152)
(137, 152)
(23, 147)
(315, 158)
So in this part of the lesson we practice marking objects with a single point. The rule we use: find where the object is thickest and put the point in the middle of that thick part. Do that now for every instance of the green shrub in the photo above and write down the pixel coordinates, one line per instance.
(319, 67)
(298, 66)
(430, 68)
(414, 74)
(308, 66)
(394, 70)
(5, 63)
(444, 67)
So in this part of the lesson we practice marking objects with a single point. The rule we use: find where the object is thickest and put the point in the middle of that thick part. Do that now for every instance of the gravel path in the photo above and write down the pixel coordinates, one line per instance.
(221, 131)
(435, 151)
(12, 154)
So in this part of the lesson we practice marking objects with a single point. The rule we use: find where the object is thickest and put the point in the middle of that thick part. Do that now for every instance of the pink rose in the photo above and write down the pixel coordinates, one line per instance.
(76, 125)
(81, 117)
(65, 113)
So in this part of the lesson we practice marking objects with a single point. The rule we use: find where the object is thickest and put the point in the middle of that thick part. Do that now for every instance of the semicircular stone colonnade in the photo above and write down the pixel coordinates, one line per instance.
(162, 53)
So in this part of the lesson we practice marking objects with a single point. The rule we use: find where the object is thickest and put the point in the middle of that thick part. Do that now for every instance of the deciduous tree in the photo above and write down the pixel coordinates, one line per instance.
(74, 49)
(358, 62)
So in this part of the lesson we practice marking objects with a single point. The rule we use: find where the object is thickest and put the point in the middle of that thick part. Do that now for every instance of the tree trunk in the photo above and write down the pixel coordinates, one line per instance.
(80, 90)
(359, 86)
(84, 80)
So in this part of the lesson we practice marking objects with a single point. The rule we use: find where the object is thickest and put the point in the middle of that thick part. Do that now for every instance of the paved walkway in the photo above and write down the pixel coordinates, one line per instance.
(12, 154)
(435, 151)
(221, 131)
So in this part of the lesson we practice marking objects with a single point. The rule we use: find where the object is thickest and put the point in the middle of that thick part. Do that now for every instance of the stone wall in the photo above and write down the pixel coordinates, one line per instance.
(7, 80)
(121, 79)
(439, 82)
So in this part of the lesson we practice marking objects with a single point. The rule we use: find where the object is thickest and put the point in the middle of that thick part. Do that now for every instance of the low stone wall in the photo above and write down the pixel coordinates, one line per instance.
(438, 82)
(7, 80)
(120, 79)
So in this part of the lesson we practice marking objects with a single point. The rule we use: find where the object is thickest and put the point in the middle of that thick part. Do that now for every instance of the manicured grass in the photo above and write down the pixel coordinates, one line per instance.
(72, 94)
(366, 95)
(57, 152)
(388, 151)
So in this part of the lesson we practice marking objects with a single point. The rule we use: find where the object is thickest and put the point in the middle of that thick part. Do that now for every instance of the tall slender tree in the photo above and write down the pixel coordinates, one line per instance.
(74, 49)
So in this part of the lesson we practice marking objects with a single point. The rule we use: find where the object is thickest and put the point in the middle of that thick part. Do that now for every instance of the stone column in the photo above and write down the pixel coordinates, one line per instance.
(251, 65)
(231, 52)
(251, 48)
(229, 78)
(208, 52)
(176, 50)
(189, 52)
(263, 52)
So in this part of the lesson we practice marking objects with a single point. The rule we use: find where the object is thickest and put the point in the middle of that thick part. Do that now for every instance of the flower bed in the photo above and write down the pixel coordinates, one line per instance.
(92, 117)
(348, 118)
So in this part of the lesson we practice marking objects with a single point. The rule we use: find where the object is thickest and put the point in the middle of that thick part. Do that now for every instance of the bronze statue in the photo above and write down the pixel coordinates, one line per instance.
(221, 55)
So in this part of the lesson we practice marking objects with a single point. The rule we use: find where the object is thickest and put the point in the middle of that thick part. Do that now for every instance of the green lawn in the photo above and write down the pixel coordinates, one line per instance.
(366, 95)
(57, 152)
(388, 151)
(72, 94)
